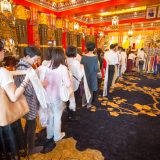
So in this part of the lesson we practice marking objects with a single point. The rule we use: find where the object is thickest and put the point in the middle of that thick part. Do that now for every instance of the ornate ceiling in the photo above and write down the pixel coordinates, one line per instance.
(98, 13)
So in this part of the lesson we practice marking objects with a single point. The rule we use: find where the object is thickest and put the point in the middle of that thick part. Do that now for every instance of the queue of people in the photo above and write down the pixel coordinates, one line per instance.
(81, 75)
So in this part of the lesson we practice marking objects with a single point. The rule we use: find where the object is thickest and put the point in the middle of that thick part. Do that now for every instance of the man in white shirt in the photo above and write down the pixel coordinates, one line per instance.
(111, 58)
(123, 61)
(141, 58)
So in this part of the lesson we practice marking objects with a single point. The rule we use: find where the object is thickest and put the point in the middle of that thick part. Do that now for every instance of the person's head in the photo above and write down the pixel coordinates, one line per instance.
(119, 48)
(90, 46)
(48, 53)
(142, 49)
(1, 51)
(10, 61)
(71, 51)
(31, 54)
(112, 46)
(123, 49)
(99, 51)
(57, 57)
(116, 46)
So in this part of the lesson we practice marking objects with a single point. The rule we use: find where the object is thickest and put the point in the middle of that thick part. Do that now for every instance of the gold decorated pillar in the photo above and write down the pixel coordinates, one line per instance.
(70, 34)
(21, 16)
(58, 32)
(43, 33)
(79, 40)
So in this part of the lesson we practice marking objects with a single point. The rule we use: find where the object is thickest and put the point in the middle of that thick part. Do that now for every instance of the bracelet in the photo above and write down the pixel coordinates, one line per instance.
(25, 82)
(23, 85)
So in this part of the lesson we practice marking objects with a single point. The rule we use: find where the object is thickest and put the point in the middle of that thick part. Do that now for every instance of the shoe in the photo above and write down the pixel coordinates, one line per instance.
(61, 137)
(84, 105)
(48, 146)
(89, 105)
(37, 149)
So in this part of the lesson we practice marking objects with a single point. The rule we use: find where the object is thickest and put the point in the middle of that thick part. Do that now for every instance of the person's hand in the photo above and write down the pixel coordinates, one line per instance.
(44, 83)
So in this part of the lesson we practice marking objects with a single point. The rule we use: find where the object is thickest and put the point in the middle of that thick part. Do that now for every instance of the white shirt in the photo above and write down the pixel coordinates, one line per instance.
(111, 57)
(5, 77)
(132, 56)
(141, 55)
(123, 58)
(78, 57)
(76, 70)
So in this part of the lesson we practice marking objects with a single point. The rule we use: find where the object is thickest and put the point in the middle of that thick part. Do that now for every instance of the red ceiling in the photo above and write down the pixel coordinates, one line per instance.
(95, 8)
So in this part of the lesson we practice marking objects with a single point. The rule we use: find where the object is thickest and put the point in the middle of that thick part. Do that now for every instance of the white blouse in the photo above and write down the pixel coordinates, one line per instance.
(5, 77)
(76, 69)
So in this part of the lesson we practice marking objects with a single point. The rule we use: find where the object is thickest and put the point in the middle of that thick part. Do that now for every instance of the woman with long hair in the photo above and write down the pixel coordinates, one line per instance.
(56, 72)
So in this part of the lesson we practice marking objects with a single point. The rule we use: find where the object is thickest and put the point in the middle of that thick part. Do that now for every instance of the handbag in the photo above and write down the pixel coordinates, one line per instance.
(81, 85)
(11, 111)
(64, 92)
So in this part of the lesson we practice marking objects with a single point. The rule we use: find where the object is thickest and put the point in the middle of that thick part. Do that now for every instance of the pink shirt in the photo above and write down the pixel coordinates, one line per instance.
(54, 78)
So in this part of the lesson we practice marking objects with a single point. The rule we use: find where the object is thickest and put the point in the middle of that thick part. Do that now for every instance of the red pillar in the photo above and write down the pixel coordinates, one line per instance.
(64, 39)
(83, 44)
(30, 33)
(96, 40)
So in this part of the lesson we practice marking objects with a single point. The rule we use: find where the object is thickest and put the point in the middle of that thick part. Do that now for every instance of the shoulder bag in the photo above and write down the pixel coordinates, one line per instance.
(11, 111)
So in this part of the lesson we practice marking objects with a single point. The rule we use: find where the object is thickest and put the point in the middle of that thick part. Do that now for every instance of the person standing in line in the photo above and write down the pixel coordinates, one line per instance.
(31, 54)
(130, 61)
(77, 74)
(90, 62)
(116, 70)
(119, 61)
(11, 136)
(141, 59)
(100, 73)
(55, 73)
(111, 58)
(123, 61)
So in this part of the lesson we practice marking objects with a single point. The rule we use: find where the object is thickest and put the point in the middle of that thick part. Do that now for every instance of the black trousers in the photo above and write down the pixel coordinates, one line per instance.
(78, 100)
(30, 129)
(111, 70)
(141, 63)
(158, 68)
(11, 140)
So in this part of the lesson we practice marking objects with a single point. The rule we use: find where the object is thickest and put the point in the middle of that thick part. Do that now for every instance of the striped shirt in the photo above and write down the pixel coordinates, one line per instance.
(29, 91)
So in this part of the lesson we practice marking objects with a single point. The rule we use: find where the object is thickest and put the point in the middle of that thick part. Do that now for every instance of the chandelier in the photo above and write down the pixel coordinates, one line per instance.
(6, 6)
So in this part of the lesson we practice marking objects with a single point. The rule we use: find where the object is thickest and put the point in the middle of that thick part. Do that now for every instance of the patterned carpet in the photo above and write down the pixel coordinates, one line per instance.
(127, 127)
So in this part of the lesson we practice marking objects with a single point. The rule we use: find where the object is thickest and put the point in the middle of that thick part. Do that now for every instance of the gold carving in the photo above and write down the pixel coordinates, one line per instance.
(20, 12)
(22, 45)
(59, 23)
(71, 26)
(43, 19)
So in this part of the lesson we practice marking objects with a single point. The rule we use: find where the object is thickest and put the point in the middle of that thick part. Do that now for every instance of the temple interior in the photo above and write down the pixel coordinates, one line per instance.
(122, 121)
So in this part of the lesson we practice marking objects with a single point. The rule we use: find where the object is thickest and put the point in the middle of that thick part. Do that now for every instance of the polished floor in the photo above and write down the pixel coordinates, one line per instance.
(125, 127)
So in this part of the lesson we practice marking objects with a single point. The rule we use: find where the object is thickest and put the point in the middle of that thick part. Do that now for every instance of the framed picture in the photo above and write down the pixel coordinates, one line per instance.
(158, 14)
(151, 12)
